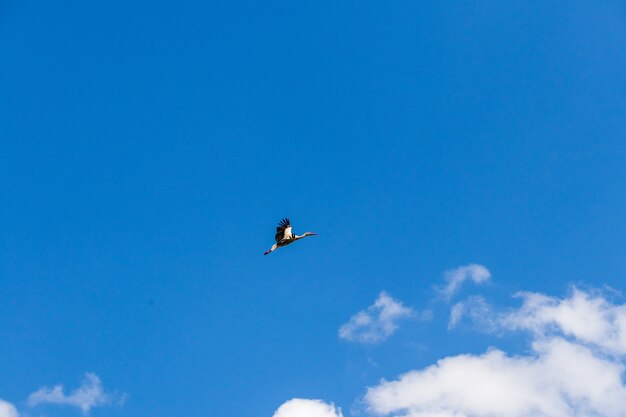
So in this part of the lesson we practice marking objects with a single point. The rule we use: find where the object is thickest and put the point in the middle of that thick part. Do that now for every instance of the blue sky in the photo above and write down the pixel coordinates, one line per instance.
(148, 151)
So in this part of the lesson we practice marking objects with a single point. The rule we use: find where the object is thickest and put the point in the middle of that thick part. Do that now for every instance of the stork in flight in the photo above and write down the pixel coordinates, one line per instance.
(284, 236)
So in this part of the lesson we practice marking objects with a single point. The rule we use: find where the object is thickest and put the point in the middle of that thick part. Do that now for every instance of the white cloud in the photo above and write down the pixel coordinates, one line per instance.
(575, 367)
(586, 316)
(89, 395)
(376, 323)
(455, 277)
(7, 409)
(561, 379)
(299, 407)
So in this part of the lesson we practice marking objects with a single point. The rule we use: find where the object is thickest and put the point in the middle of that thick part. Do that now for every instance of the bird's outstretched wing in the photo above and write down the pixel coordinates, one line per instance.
(283, 231)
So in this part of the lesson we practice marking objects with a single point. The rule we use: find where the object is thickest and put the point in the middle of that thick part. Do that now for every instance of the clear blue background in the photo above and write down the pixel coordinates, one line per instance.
(149, 148)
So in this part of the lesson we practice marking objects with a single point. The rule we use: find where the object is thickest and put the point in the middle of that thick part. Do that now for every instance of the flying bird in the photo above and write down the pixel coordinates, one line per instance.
(285, 236)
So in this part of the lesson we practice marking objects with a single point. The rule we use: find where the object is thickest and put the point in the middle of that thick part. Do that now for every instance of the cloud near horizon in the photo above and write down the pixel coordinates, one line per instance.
(90, 394)
(456, 277)
(575, 367)
(299, 407)
(377, 323)
(7, 409)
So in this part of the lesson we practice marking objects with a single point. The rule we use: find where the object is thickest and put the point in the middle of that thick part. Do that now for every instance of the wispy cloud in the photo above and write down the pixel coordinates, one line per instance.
(575, 366)
(90, 394)
(477, 310)
(376, 323)
(7, 409)
(299, 407)
(456, 277)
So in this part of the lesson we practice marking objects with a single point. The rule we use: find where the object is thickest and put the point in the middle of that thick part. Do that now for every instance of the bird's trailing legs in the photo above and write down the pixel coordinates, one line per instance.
(272, 249)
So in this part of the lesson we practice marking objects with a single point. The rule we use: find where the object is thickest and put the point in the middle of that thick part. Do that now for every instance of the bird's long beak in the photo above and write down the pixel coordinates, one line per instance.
(313, 234)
